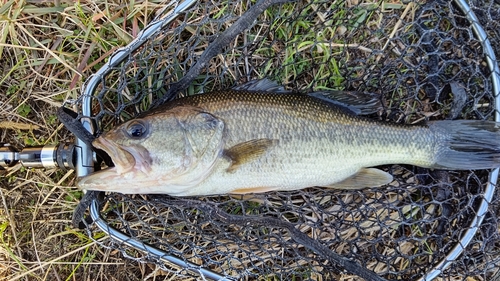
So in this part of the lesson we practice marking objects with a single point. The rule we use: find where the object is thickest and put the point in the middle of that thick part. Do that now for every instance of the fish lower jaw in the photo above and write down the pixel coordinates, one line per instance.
(113, 179)
(132, 182)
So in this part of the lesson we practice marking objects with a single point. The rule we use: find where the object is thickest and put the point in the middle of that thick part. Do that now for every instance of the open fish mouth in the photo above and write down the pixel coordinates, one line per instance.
(124, 163)
(131, 164)
(124, 160)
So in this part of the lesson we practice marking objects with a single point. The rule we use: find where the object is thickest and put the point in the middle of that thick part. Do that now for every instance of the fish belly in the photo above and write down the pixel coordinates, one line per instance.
(322, 158)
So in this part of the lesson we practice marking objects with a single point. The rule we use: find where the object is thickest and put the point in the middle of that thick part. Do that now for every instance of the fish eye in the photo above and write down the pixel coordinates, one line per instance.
(137, 129)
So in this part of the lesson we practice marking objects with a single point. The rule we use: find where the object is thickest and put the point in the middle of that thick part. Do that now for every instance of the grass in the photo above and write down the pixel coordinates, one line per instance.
(47, 50)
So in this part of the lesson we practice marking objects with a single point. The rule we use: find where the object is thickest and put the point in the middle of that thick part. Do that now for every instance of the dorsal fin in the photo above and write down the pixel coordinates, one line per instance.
(357, 102)
(261, 85)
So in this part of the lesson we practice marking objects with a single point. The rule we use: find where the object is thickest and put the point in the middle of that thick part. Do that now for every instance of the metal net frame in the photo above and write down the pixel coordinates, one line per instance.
(427, 60)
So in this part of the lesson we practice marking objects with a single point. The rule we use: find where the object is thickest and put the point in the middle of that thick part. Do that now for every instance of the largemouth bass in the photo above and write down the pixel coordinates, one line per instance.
(243, 141)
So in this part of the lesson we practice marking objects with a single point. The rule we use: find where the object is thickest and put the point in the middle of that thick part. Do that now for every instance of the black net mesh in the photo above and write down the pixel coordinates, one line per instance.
(422, 57)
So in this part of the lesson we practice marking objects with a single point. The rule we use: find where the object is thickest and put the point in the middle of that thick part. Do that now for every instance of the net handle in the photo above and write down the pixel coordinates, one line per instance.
(150, 250)
(85, 154)
(85, 164)
(493, 176)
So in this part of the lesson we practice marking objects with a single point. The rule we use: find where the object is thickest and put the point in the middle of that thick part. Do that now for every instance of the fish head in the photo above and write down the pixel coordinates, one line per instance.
(167, 152)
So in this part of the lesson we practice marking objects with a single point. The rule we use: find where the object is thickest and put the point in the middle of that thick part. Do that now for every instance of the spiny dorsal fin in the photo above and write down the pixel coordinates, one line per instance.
(357, 102)
(247, 151)
(261, 85)
(366, 177)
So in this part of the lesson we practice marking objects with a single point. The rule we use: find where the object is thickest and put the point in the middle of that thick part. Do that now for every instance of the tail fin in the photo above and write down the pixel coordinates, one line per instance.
(467, 144)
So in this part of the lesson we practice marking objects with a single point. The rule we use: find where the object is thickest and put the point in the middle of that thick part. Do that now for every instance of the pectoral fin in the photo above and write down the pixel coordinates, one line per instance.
(247, 151)
(366, 177)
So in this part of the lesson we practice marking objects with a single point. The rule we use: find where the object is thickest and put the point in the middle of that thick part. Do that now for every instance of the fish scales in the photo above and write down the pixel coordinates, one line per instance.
(240, 141)
(318, 144)
(307, 120)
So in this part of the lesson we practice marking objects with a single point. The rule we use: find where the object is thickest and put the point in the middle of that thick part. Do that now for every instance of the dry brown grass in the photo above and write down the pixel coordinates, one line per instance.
(47, 49)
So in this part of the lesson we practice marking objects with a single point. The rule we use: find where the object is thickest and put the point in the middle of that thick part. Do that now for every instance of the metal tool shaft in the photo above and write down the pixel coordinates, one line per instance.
(43, 156)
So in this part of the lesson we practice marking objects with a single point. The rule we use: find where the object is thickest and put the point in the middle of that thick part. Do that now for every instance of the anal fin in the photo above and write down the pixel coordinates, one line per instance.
(253, 190)
(366, 177)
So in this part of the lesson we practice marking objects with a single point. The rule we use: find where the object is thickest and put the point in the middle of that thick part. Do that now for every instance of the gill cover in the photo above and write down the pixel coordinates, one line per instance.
(164, 153)
(203, 142)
